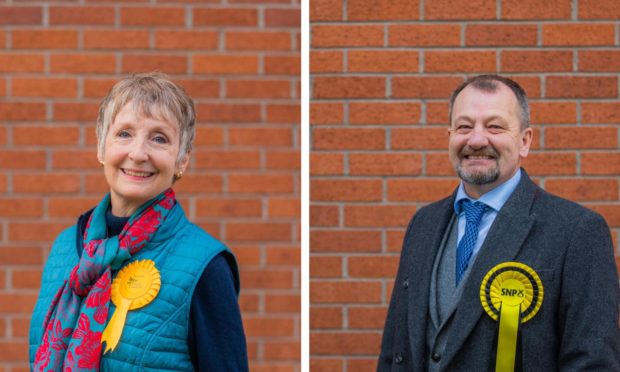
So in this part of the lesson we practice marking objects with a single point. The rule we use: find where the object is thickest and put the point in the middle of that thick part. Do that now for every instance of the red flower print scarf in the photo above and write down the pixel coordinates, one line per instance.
(79, 311)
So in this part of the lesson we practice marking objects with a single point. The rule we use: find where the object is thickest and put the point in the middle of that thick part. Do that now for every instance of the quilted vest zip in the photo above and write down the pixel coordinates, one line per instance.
(154, 337)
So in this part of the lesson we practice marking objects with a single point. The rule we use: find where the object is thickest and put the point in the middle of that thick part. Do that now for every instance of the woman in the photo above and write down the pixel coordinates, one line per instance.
(134, 273)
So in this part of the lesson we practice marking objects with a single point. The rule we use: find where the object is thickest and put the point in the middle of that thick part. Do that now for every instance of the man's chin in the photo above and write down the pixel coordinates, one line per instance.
(478, 177)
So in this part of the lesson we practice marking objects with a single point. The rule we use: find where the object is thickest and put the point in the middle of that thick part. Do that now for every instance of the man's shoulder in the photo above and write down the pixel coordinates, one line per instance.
(551, 205)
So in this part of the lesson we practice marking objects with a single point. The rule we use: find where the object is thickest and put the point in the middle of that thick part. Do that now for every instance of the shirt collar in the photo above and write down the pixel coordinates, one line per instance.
(495, 198)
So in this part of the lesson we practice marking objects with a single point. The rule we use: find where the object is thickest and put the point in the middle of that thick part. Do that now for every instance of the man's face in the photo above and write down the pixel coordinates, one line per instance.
(486, 142)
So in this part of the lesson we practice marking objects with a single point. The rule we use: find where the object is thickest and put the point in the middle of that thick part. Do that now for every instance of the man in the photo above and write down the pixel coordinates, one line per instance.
(498, 223)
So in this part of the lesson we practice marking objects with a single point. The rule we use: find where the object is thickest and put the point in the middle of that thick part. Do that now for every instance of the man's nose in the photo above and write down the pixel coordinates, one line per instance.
(478, 138)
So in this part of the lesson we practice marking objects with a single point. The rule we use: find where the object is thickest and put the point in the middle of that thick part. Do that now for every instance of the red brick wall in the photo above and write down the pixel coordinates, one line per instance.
(381, 74)
(239, 59)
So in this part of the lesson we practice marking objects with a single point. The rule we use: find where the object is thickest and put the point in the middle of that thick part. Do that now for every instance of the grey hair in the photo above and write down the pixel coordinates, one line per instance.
(488, 83)
(153, 95)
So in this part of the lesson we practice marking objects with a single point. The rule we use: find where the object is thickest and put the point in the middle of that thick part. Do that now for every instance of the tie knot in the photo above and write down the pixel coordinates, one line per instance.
(473, 211)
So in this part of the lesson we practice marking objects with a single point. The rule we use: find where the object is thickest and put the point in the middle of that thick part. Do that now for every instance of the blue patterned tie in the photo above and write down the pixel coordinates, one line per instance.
(465, 248)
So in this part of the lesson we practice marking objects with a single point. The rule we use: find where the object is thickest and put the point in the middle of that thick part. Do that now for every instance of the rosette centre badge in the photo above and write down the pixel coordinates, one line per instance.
(135, 286)
(511, 293)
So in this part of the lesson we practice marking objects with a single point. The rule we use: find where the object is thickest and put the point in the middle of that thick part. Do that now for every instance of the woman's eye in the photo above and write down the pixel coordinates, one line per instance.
(123, 134)
(160, 140)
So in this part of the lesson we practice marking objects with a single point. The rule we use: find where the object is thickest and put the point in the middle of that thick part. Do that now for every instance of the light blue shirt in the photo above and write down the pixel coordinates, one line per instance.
(495, 199)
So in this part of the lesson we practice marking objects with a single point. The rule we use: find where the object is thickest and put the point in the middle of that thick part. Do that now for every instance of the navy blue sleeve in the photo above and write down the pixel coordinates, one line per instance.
(216, 338)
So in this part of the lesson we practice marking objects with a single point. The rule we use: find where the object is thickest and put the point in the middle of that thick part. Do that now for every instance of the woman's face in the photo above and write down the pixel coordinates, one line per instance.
(139, 159)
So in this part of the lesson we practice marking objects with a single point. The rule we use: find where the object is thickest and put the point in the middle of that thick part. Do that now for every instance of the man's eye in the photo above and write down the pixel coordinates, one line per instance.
(462, 129)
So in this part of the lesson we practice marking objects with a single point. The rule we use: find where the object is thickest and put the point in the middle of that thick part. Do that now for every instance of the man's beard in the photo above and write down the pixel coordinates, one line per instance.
(482, 177)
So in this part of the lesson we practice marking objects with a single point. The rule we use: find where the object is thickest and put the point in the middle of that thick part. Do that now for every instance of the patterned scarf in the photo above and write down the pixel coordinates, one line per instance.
(79, 311)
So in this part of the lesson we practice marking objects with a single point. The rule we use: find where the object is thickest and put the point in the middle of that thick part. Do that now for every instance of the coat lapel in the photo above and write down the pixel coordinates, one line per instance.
(503, 242)
(423, 250)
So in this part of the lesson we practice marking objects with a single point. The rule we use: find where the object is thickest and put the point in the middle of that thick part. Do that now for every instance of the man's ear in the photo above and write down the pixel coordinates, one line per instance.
(526, 141)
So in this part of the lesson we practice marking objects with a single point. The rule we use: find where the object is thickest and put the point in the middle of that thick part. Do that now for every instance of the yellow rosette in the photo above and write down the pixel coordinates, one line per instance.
(136, 285)
(513, 293)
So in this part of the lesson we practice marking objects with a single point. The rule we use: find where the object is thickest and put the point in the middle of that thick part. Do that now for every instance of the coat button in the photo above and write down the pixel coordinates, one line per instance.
(406, 283)
(436, 357)
(398, 358)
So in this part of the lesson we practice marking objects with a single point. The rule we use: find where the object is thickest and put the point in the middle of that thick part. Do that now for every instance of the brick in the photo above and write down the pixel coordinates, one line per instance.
(581, 138)
(49, 135)
(282, 350)
(83, 63)
(14, 351)
(284, 114)
(22, 159)
(459, 61)
(599, 60)
(284, 207)
(3, 135)
(151, 16)
(392, 164)
(283, 160)
(260, 232)
(550, 163)
(582, 86)
(345, 190)
(15, 62)
(209, 136)
(248, 255)
(97, 88)
(227, 159)
(31, 232)
(225, 64)
(361, 365)
(323, 36)
(348, 138)
(44, 87)
(363, 317)
(325, 317)
(382, 61)
(345, 343)
(283, 303)
(382, 10)
(3, 185)
(282, 65)
(255, 40)
(325, 267)
(437, 113)
(136, 63)
(260, 137)
(22, 111)
(283, 256)
(536, 61)
(26, 279)
(433, 138)
(258, 89)
(372, 266)
(326, 365)
(219, 207)
(324, 164)
(531, 84)
(545, 112)
(21, 255)
(191, 40)
(326, 10)
(260, 183)
(349, 87)
(213, 17)
(418, 35)
(345, 292)
(384, 113)
(70, 206)
(532, 9)
(112, 39)
(287, 18)
(578, 34)
(584, 189)
(460, 9)
(611, 213)
(200, 88)
(18, 15)
(89, 16)
(45, 39)
(600, 112)
(21, 207)
(420, 190)
(228, 113)
(84, 112)
(501, 35)
(438, 164)
(600, 163)
(326, 61)
(198, 184)
(344, 240)
(377, 216)
(424, 87)
(599, 9)
(326, 113)
(46, 183)
(264, 327)
(324, 215)
(21, 326)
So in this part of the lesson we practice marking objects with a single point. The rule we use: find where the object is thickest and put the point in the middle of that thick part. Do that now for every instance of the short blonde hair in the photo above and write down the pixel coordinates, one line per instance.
(154, 96)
